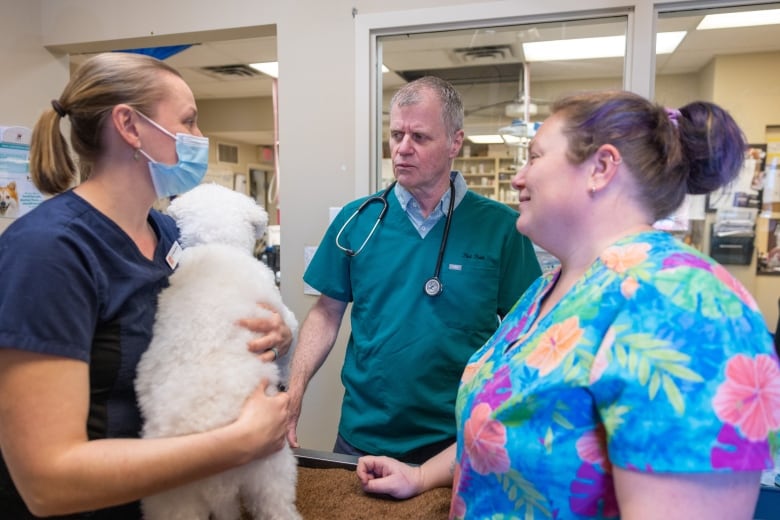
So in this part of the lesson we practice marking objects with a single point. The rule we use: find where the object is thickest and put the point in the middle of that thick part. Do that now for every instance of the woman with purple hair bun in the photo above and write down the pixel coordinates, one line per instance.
(638, 380)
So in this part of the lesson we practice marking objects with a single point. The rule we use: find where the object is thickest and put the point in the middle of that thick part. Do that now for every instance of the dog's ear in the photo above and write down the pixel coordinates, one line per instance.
(259, 220)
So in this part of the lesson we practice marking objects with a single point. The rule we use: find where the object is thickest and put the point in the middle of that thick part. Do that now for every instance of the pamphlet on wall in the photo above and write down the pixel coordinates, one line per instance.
(743, 192)
(18, 195)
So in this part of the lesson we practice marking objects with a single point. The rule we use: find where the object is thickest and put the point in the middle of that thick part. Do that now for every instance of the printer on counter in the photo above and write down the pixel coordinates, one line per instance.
(733, 235)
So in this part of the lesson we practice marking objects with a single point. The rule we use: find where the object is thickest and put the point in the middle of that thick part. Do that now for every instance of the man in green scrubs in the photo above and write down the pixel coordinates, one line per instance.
(411, 337)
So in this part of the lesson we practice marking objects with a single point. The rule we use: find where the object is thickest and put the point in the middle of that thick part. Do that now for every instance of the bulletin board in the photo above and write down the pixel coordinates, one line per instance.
(768, 222)
(769, 247)
(745, 190)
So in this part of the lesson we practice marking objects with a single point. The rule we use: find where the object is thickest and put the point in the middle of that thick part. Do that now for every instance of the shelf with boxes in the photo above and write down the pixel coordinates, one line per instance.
(489, 176)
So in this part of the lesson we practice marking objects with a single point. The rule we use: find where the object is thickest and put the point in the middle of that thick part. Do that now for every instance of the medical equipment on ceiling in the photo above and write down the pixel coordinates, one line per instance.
(519, 133)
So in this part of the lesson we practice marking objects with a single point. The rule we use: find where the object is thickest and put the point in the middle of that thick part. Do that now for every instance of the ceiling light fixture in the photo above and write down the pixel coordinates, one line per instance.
(598, 47)
(486, 139)
(666, 43)
(739, 19)
(270, 68)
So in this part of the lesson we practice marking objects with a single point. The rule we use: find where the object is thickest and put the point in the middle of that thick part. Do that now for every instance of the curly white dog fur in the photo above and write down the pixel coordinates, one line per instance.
(198, 372)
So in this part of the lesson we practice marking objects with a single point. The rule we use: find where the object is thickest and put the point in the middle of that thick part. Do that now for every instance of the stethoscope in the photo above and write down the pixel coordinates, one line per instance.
(433, 286)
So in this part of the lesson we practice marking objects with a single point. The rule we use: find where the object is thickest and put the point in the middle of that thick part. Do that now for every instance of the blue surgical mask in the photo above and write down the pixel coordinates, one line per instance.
(175, 179)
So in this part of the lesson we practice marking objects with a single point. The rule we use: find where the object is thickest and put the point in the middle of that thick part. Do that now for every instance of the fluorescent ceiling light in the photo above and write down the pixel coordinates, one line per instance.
(739, 19)
(271, 68)
(575, 49)
(666, 43)
(486, 139)
(598, 47)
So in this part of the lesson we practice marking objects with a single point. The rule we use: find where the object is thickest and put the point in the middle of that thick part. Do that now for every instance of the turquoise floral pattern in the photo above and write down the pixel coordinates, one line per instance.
(657, 360)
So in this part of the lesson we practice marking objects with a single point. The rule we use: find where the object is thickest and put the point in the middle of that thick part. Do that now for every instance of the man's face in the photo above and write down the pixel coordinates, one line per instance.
(420, 148)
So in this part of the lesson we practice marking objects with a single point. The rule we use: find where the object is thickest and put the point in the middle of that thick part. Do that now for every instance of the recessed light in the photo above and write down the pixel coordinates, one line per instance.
(271, 68)
(598, 47)
(486, 139)
(739, 19)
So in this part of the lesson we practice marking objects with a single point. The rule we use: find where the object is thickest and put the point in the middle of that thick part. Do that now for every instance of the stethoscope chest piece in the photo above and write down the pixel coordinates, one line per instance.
(433, 287)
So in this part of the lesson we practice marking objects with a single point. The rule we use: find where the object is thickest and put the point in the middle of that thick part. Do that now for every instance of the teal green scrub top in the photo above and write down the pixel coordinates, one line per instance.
(407, 350)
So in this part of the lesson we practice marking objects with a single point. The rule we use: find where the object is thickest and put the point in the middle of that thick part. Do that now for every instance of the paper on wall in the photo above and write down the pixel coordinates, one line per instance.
(18, 195)
(15, 134)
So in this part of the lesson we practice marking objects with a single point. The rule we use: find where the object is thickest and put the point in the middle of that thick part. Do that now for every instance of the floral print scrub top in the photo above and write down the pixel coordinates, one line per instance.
(657, 360)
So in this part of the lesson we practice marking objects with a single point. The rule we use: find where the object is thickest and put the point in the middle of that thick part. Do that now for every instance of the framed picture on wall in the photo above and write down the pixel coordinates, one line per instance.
(769, 258)
(745, 190)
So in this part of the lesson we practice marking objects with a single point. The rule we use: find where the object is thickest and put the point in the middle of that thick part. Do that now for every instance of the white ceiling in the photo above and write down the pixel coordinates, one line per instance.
(437, 51)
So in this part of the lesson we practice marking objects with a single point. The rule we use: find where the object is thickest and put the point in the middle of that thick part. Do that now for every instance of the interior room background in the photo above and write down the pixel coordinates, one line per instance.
(331, 94)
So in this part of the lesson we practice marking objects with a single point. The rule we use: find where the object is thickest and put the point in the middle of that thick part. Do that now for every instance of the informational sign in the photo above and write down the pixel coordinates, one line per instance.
(771, 202)
(743, 192)
(18, 195)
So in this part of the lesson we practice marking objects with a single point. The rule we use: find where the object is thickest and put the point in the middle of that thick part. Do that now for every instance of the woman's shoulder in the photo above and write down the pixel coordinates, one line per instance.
(653, 251)
(670, 277)
(49, 218)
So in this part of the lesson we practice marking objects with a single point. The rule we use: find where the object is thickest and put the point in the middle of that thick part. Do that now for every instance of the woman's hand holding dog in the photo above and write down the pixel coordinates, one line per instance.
(262, 425)
(274, 336)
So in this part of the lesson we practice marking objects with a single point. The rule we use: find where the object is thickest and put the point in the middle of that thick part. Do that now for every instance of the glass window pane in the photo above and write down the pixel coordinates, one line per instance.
(504, 74)
(736, 65)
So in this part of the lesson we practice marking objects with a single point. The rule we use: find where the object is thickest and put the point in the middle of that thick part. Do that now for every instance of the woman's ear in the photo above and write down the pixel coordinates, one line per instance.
(606, 163)
(124, 121)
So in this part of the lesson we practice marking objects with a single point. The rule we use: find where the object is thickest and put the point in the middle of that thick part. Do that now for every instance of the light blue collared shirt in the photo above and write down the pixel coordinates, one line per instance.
(412, 208)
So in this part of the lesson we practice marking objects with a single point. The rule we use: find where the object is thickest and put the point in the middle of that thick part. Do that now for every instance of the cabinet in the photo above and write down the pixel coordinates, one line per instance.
(489, 176)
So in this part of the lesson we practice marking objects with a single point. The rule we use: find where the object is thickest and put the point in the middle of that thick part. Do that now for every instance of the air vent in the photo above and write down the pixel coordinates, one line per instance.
(471, 75)
(484, 53)
(227, 153)
(231, 71)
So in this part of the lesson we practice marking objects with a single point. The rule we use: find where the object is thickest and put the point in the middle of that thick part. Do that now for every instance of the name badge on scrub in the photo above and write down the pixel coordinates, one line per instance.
(173, 255)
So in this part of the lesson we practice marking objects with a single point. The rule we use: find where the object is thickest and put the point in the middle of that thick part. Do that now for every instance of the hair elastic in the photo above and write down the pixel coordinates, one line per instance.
(58, 108)
(674, 115)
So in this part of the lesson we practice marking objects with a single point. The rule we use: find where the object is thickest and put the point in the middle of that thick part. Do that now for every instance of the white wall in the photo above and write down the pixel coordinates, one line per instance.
(329, 120)
(314, 40)
(28, 68)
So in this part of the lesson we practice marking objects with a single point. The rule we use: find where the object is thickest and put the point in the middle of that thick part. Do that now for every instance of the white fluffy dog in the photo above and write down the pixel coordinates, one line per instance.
(198, 371)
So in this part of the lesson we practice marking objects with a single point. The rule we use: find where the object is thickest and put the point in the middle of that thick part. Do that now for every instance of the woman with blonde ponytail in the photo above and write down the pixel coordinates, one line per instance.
(51, 166)
(80, 275)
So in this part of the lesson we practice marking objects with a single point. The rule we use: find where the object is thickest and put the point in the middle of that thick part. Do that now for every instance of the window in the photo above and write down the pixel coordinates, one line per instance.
(504, 74)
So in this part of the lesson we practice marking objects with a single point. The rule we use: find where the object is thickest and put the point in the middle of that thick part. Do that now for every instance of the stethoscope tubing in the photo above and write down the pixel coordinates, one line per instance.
(380, 198)
(433, 286)
(447, 224)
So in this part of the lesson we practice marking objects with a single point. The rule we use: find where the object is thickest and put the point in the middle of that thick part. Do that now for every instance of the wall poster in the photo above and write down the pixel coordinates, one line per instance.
(744, 191)
(18, 195)
(769, 258)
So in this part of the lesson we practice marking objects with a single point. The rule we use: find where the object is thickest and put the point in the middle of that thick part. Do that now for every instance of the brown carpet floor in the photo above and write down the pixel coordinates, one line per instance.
(335, 494)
